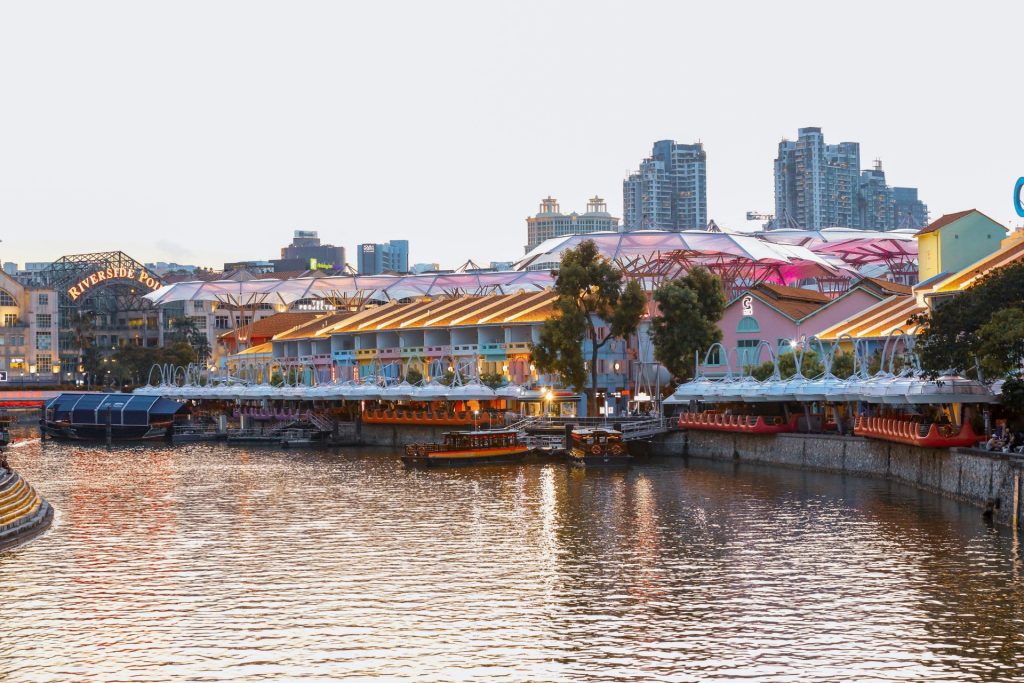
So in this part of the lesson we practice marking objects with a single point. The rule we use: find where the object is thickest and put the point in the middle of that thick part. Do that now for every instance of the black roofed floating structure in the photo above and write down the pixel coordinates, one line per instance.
(130, 416)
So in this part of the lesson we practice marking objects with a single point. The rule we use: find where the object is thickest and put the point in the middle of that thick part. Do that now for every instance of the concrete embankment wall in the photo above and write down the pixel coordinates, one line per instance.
(24, 514)
(968, 475)
(398, 436)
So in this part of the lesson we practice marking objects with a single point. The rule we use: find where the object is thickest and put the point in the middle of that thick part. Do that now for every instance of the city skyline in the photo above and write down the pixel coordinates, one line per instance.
(110, 150)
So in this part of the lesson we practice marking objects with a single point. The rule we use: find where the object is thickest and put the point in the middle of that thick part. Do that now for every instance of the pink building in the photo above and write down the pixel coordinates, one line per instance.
(778, 314)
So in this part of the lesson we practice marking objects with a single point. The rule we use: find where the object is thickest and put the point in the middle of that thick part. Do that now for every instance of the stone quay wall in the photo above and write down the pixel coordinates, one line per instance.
(988, 480)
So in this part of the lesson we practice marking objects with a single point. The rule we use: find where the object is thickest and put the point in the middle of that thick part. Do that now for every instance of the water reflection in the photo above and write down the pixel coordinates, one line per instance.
(209, 563)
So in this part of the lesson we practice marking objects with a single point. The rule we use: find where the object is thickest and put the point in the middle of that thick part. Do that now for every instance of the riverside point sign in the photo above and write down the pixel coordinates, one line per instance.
(132, 275)
(1018, 202)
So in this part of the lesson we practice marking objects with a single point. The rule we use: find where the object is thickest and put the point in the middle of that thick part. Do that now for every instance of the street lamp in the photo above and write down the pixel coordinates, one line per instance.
(476, 416)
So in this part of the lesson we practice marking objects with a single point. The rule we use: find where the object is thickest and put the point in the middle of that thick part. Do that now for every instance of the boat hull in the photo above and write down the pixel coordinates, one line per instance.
(487, 456)
(582, 459)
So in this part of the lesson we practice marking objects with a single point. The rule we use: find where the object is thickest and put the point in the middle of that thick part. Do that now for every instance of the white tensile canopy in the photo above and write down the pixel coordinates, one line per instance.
(383, 287)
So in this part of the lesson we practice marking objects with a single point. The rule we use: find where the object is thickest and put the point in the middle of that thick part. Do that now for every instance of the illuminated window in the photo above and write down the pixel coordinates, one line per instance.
(6, 299)
(17, 364)
(748, 325)
(10, 319)
(44, 362)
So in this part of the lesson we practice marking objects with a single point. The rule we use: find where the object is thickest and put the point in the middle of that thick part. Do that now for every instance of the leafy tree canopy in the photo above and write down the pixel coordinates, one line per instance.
(686, 323)
(973, 328)
(592, 304)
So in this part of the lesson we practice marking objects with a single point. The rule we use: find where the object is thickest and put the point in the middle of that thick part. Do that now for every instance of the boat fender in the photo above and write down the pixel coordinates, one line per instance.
(595, 449)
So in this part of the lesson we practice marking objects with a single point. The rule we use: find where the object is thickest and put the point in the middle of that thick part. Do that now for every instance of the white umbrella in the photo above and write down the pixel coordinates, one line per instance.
(432, 391)
(471, 391)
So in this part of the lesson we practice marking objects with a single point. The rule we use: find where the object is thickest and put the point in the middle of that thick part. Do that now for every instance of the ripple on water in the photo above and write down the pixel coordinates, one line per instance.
(210, 563)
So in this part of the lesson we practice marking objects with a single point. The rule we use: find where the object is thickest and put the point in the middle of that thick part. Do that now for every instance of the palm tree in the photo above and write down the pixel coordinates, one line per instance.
(83, 335)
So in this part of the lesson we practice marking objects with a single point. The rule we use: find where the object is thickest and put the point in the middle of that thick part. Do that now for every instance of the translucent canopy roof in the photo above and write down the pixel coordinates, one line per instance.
(385, 287)
(852, 246)
(625, 245)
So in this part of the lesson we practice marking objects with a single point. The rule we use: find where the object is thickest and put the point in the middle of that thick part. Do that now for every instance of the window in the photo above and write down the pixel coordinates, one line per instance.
(747, 352)
(44, 362)
(198, 305)
(200, 321)
(6, 299)
(3, 340)
(10, 319)
(748, 325)
(221, 322)
(44, 341)
(714, 356)
(43, 299)
(17, 364)
(44, 320)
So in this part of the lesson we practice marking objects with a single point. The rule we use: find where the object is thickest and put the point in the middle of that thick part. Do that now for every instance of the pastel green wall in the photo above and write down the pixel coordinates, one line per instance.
(967, 240)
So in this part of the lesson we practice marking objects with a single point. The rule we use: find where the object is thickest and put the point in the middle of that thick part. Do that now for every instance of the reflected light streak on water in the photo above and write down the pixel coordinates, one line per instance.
(210, 563)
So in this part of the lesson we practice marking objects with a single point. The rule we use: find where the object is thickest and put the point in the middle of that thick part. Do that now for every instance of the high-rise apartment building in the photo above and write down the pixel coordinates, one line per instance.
(910, 212)
(551, 222)
(375, 259)
(818, 185)
(669, 190)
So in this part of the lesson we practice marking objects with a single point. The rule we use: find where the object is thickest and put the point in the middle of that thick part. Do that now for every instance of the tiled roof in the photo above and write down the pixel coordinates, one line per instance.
(943, 221)
(877, 321)
(265, 328)
(795, 302)
(310, 328)
(491, 309)
(884, 286)
(1010, 251)
(795, 293)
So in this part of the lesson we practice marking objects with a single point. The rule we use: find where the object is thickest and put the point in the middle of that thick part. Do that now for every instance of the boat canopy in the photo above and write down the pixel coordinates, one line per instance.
(125, 409)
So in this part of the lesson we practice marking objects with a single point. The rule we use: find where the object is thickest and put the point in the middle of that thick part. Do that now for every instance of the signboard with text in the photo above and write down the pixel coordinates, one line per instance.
(123, 274)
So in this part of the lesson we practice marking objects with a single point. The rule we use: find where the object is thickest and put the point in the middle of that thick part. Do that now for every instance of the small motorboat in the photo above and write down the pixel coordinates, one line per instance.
(598, 447)
(468, 448)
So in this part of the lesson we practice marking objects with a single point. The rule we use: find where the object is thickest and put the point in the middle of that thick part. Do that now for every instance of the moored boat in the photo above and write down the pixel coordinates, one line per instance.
(468, 448)
(598, 447)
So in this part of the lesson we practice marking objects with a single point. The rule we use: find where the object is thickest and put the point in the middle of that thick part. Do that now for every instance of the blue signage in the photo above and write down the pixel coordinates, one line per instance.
(1018, 204)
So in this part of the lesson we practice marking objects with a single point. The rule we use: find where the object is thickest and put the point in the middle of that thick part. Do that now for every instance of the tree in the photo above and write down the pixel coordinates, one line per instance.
(952, 336)
(592, 305)
(689, 309)
(83, 339)
(184, 329)
(492, 379)
(1001, 343)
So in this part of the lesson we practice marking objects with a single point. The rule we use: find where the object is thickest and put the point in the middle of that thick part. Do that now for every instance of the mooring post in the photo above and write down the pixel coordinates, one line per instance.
(106, 423)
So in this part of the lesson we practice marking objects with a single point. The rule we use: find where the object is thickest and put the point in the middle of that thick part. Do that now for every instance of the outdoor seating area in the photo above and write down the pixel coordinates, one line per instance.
(752, 424)
(916, 433)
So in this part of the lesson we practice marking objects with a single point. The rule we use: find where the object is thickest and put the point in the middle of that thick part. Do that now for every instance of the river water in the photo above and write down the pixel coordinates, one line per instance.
(209, 563)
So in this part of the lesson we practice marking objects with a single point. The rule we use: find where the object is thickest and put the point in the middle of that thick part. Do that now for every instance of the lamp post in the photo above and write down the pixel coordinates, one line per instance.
(476, 416)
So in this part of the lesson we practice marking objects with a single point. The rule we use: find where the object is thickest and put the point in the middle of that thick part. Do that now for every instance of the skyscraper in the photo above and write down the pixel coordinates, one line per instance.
(551, 222)
(669, 190)
(820, 186)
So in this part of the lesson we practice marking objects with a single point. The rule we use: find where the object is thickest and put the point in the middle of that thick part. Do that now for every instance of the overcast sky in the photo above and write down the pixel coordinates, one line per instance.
(205, 132)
